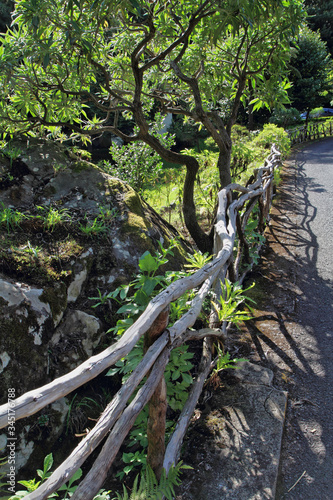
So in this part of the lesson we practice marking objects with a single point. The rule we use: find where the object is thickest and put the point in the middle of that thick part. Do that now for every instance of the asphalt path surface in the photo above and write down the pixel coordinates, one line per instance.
(293, 330)
(313, 417)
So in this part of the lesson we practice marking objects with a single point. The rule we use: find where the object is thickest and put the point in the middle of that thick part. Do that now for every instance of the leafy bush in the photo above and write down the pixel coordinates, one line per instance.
(243, 154)
(316, 112)
(134, 299)
(66, 490)
(271, 134)
(240, 133)
(285, 117)
(136, 163)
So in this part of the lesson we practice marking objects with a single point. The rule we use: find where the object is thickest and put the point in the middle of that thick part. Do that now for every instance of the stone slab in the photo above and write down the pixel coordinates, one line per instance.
(234, 445)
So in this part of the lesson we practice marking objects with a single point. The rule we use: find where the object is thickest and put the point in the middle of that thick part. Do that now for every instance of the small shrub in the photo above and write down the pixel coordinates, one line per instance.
(240, 133)
(136, 163)
(231, 298)
(271, 134)
(243, 154)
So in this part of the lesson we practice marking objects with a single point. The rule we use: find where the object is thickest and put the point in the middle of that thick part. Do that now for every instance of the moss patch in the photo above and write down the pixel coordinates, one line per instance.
(133, 202)
(81, 165)
(37, 261)
(113, 186)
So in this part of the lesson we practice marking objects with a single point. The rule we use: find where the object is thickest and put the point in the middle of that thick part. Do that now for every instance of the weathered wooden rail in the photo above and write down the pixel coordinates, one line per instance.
(235, 204)
(310, 132)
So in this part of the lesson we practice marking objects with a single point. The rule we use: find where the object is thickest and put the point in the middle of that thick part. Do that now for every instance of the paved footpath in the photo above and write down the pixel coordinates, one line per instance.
(293, 333)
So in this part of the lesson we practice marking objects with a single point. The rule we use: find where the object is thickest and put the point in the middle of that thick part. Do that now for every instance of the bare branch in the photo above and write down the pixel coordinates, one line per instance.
(173, 448)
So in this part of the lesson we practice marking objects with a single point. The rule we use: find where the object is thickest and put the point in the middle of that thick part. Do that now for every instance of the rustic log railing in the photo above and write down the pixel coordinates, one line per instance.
(310, 132)
(235, 204)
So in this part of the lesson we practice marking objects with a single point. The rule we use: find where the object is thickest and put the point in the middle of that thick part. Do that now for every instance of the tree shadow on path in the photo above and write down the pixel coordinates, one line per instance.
(292, 331)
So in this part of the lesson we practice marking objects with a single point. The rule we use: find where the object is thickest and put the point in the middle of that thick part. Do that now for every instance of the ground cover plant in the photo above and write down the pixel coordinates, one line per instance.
(46, 260)
(145, 486)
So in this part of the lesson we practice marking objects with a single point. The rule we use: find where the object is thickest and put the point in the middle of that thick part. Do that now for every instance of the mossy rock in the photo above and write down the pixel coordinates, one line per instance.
(52, 271)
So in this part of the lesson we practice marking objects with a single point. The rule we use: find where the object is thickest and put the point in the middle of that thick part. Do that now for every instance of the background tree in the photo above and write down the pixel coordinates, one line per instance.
(6, 7)
(321, 18)
(312, 73)
(132, 57)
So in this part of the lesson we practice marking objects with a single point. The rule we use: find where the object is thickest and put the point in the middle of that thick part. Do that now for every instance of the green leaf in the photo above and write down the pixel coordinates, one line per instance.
(48, 462)
(141, 298)
(148, 263)
(124, 292)
(149, 286)
(132, 309)
(112, 372)
(75, 26)
(76, 476)
(187, 378)
(46, 60)
(35, 22)
(127, 457)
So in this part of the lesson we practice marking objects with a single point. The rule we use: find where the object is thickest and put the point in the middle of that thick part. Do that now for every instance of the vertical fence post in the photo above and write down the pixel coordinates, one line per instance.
(157, 404)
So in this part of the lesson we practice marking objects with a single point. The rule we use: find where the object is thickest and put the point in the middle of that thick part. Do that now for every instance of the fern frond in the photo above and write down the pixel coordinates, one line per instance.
(150, 489)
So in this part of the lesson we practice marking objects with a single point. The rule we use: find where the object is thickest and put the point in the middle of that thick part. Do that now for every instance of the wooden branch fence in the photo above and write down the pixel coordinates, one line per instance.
(310, 132)
(232, 258)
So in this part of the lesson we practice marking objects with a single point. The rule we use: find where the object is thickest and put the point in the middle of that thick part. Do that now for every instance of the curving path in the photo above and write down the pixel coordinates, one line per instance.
(293, 333)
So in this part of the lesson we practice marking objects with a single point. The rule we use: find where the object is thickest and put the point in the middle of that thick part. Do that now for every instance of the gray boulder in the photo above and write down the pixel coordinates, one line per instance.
(68, 231)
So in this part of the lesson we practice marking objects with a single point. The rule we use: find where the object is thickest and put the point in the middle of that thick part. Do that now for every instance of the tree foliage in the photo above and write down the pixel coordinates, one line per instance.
(199, 59)
(321, 18)
(312, 73)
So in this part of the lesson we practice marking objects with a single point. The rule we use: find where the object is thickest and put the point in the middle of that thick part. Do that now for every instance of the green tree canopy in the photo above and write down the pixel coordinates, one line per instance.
(312, 74)
(133, 57)
(321, 18)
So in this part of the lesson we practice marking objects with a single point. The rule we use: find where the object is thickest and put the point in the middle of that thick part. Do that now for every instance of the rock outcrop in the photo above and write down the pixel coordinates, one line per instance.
(69, 231)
